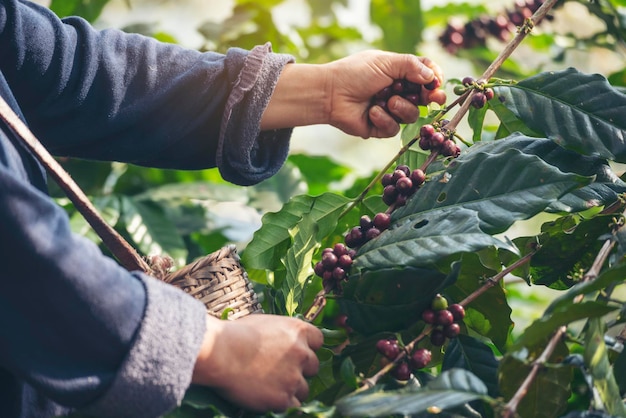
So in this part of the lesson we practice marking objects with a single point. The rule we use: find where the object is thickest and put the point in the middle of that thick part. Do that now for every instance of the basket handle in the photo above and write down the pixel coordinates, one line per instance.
(119, 247)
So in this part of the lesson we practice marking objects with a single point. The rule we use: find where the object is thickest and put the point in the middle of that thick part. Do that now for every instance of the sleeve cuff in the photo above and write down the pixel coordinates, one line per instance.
(245, 155)
(153, 378)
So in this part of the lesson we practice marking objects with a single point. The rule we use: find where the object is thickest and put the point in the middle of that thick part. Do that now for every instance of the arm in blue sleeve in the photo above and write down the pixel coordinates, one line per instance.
(78, 328)
(110, 95)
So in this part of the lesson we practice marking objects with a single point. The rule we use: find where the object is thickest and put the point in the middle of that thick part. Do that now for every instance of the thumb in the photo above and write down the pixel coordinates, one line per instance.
(412, 68)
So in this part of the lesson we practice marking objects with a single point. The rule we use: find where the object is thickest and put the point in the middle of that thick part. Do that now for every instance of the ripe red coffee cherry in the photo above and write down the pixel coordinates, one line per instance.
(452, 330)
(429, 316)
(383, 94)
(327, 275)
(372, 233)
(437, 140)
(339, 273)
(397, 87)
(413, 98)
(319, 269)
(426, 131)
(458, 311)
(388, 348)
(444, 318)
(402, 371)
(418, 177)
(468, 81)
(489, 93)
(437, 337)
(434, 84)
(404, 168)
(390, 194)
(382, 221)
(329, 260)
(398, 174)
(403, 185)
(479, 100)
(345, 261)
(386, 179)
(424, 143)
(450, 149)
(439, 303)
(420, 358)
(339, 249)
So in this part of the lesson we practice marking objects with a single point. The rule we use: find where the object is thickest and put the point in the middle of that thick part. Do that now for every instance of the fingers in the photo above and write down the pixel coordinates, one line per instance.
(384, 125)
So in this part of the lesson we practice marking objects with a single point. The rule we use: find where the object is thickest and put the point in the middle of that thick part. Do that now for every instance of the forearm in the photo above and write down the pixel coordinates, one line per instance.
(301, 98)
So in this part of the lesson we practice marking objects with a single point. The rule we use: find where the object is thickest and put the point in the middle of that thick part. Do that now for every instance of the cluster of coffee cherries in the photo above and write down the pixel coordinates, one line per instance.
(390, 348)
(404, 88)
(434, 139)
(466, 35)
(444, 318)
(334, 265)
(399, 185)
(480, 97)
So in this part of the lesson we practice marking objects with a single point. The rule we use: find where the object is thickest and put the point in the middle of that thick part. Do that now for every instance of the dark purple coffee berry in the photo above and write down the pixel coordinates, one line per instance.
(390, 194)
(365, 223)
(339, 273)
(382, 221)
(437, 337)
(468, 81)
(329, 260)
(383, 94)
(479, 100)
(327, 275)
(319, 269)
(444, 318)
(398, 174)
(452, 331)
(339, 249)
(429, 316)
(437, 140)
(402, 371)
(489, 93)
(450, 149)
(372, 233)
(400, 201)
(418, 177)
(382, 104)
(411, 87)
(427, 131)
(424, 143)
(404, 185)
(439, 303)
(432, 85)
(420, 358)
(386, 179)
(405, 168)
(345, 261)
(397, 87)
(388, 348)
(458, 311)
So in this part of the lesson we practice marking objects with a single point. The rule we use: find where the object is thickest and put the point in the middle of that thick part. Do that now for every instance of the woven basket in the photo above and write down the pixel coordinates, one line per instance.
(220, 282)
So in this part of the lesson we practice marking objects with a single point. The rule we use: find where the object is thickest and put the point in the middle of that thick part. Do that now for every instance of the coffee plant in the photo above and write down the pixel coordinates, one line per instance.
(410, 274)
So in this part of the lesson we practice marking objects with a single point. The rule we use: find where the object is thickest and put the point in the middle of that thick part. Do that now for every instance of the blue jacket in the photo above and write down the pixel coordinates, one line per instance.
(77, 331)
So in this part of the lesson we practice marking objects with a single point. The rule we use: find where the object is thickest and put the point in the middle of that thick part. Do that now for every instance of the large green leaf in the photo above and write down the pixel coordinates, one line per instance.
(450, 389)
(426, 238)
(606, 184)
(391, 299)
(597, 361)
(502, 187)
(271, 241)
(548, 393)
(151, 230)
(298, 262)
(545, 326)
(567, 251)
(465, 352)
(580, 111)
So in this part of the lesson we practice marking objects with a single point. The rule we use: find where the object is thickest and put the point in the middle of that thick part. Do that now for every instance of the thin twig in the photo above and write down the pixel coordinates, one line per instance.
(511, 407)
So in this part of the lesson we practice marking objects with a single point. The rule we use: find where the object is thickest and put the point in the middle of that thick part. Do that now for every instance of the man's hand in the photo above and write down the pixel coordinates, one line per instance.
(259, 362)
(340, 93)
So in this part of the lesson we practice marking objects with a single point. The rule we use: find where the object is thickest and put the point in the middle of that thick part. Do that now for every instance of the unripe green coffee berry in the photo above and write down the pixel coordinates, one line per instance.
(439, 303)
